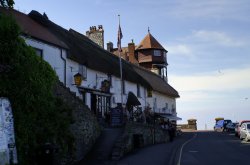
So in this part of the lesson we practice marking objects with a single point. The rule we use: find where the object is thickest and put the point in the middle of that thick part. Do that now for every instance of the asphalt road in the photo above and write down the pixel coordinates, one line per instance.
(158, 154)
(191, 148)
(215, 148)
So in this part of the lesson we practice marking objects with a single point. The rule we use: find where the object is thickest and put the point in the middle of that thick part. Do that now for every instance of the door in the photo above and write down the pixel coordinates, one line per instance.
(93, 103)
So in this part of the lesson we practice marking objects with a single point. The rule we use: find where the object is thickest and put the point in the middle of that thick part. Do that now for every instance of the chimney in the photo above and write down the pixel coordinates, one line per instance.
(131, 53)
(96, 35)
(110, 46)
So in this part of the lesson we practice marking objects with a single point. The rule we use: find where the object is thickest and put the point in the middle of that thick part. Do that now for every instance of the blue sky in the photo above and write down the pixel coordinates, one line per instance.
(208, 45)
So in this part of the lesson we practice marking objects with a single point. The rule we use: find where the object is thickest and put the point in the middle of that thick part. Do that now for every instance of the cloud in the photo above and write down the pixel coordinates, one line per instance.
(212, 9)
(180, 49)
(225, 80)
(215, 37)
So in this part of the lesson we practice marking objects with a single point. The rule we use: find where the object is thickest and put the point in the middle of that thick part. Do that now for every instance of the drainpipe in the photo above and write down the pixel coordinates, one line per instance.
(64, 60)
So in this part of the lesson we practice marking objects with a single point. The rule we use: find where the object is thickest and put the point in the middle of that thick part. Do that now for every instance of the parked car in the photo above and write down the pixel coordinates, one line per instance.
(230, 127)
(236, 132)
(245, 131)
(219, 125)
(237, 129)
(225, 123)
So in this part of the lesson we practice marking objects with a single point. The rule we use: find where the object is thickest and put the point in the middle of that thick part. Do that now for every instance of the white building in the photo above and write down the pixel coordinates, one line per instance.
(69, 53)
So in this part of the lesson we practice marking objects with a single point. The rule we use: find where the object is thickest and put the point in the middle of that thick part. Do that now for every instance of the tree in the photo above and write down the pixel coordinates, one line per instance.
(7, 3)
(39, 117)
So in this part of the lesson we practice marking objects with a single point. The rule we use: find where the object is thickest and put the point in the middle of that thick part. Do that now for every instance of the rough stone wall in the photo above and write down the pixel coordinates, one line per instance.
(84, 128)
(126, 143)
(96, 35)
(188, 126)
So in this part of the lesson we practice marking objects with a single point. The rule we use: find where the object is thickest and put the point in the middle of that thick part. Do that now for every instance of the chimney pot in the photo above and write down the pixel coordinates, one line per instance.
(110, 46)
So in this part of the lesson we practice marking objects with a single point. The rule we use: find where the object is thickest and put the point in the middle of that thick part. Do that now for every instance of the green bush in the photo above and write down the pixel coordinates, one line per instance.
(27, 80)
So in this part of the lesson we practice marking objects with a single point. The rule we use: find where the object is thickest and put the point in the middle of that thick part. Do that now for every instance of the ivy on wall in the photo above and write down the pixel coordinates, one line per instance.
(27, 80)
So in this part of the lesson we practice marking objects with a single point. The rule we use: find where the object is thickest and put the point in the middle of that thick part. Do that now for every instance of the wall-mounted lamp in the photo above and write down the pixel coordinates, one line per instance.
(78, 79)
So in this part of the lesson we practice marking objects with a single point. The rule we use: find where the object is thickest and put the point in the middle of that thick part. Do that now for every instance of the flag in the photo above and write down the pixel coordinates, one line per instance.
(119, 39)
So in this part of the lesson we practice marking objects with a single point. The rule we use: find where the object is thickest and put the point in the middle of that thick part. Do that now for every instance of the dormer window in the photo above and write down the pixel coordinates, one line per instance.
(157, 53)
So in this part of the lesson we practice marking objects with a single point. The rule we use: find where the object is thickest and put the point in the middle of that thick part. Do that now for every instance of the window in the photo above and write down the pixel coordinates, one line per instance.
(39, 52)
(83, 71)
(138, 91)
(166, 106)
(248, 126)
(110, 79)
(149, 92)
(173, 109)
(165, 55)
(157, 53)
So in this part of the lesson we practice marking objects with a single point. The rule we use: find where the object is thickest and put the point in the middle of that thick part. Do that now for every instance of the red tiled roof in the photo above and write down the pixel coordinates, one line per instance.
(31, 28)
(149, 42)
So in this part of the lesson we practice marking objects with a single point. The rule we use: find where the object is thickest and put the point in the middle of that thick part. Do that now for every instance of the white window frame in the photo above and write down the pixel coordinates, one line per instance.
(83, 71)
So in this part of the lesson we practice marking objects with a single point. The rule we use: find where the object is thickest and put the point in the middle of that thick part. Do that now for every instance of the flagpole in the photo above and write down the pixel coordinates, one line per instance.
(120, 60)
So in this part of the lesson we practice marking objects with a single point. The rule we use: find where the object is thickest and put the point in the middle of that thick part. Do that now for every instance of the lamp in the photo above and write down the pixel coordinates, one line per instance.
(78, 79)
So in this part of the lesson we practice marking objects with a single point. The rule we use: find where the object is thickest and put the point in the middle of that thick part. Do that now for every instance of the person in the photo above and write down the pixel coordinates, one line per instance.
(171, 132)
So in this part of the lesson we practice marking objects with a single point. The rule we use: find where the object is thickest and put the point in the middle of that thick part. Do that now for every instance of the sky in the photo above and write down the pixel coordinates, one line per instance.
(208, 45)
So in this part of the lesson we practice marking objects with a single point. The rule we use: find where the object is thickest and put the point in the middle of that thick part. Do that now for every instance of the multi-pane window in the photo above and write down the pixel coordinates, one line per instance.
(165, 55)
(157, 53)
(166, 106)
(83, 71)
(173, 109)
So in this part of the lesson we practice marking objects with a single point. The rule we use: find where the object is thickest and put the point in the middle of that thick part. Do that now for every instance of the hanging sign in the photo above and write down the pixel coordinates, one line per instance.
(8, 154)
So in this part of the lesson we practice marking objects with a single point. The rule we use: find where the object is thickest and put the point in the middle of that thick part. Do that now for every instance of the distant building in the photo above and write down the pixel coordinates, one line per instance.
(149, 54)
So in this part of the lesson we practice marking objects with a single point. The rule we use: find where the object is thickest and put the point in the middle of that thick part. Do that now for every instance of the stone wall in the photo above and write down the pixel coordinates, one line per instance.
(138, 135)
(84, 128)
(191, 125)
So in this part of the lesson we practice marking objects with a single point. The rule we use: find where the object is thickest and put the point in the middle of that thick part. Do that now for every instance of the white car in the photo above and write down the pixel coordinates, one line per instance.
(245, 131)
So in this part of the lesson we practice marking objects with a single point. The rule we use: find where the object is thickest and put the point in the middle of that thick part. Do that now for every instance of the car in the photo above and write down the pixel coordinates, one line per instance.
(245, 131)
(230, 127)
(225, 123)
(219, 125)
(237, 129)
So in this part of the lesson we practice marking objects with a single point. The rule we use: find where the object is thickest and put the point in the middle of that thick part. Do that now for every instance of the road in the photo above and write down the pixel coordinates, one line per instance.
(215, 148)
(193, 148)
(158, 154)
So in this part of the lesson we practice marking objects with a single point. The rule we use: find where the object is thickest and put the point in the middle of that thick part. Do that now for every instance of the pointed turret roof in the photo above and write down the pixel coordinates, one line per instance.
(149, 42)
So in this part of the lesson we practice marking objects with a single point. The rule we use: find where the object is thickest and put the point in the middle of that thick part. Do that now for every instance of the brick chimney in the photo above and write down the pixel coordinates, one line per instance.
(96, 35)
(110, 46)
(131, 53)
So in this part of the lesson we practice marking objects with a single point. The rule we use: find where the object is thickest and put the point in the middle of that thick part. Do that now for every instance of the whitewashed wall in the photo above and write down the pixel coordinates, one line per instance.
(164, 104)
(51, 54)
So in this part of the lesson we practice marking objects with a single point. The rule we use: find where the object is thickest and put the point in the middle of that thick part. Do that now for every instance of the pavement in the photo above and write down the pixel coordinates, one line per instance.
(101, 151)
